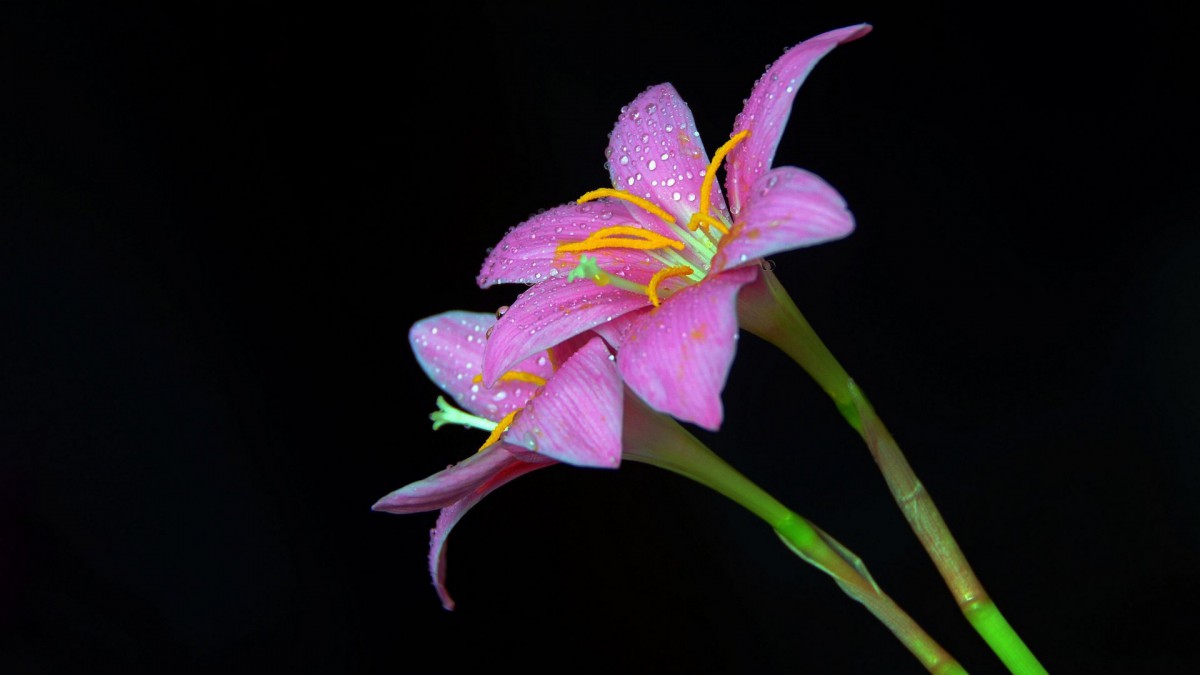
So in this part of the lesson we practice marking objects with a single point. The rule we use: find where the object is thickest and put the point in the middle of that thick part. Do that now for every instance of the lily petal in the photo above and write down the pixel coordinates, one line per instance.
(527, 254)
(450, 347)
(576, 417)
(770, 104)
(788, 208)
(550, 313)
(614, 332)
(450, 484)
(450, 516)
(678, 357)
(562, 351)
(655, 152)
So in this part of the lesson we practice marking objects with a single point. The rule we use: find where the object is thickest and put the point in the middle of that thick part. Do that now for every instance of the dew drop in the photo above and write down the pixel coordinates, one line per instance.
(652, 165)
(767, 265)
(501, 310)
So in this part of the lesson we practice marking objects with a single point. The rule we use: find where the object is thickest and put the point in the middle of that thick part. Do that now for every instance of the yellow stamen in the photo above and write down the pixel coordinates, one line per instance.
(631, 198)
(659, 276)
(622, 236)
(702, 218)
(705, 220)
(518, 375)
(501, 426)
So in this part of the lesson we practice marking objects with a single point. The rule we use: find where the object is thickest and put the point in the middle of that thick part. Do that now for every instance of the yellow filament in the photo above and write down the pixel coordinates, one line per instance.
(702, 218)
(659, 276)
(518, 375)
(622, 236)
(501, 426)
(631, 198)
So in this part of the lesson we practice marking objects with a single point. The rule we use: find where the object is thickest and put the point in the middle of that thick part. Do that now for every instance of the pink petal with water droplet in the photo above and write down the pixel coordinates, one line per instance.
(659, 123)
(766, 111)
(614, 332)
(450, 516)
(450, 346)
(576, 417)
(452, 483)
(788, 208)
(553, 311)
(678, 357)
(562, 351)
(527, 254)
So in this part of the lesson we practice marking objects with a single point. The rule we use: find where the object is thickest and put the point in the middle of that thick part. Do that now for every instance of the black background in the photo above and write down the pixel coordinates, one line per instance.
(217, 224)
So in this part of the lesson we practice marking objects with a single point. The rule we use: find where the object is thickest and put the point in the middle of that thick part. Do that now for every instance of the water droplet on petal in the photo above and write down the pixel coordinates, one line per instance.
(767, 265)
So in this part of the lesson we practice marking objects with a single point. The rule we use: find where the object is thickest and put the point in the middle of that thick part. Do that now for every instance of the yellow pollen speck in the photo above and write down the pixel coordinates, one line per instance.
(631, 198)
(659, 276)
(501, 426)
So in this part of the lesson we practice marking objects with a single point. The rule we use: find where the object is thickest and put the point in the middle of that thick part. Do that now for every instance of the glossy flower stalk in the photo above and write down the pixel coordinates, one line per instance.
(766, 309)
(658, 440)
(655, 263)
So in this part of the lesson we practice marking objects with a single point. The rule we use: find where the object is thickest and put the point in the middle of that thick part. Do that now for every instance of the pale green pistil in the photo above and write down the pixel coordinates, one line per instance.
(448, 414)
(589, 269)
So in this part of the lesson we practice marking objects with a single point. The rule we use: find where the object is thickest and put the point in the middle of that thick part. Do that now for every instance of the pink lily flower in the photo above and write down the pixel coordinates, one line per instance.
(560, 406)
(655, 263)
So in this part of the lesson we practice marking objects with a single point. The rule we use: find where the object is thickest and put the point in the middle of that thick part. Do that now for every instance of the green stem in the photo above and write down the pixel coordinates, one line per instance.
(765, 309)
(658, 440)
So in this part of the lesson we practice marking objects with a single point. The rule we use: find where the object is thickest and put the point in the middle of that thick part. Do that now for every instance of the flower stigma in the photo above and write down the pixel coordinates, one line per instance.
(448, 414)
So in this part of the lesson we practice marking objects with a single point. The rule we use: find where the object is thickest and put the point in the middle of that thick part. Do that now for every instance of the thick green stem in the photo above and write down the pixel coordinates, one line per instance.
(658, 440)
(765, 309)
